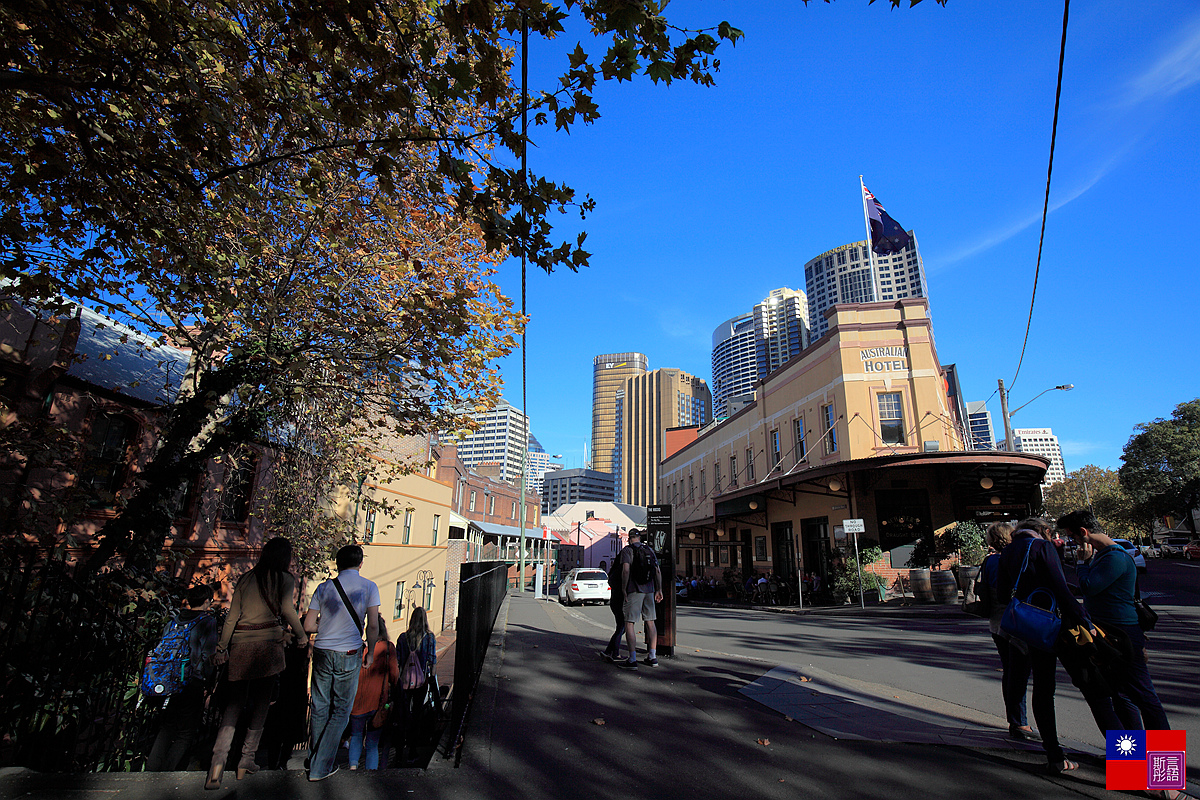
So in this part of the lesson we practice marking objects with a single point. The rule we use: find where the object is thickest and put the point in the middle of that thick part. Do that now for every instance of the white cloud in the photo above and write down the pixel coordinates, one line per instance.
(994, 238)
(1175, 71)
(1075, 448)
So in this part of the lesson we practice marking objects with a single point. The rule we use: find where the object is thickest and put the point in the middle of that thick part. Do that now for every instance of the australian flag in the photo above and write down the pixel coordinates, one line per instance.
(887, 235)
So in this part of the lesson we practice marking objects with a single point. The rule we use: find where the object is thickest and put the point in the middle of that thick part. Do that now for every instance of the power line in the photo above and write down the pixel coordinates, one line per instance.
(1062, 53)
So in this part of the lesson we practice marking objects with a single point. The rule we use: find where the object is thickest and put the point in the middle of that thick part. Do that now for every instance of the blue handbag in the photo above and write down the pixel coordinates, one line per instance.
(1036, 626)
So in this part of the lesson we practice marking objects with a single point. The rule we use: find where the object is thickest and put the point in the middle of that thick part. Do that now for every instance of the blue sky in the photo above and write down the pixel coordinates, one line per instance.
(709, 198)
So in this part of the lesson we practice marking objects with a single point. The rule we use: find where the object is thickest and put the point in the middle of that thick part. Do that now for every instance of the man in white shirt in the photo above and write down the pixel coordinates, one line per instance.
(338, 654)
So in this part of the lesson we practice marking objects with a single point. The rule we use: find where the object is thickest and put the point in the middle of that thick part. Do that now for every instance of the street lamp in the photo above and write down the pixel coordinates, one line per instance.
(1008, 439)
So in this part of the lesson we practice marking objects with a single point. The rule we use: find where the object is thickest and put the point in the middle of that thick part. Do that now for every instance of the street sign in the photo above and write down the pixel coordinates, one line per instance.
(853, 526)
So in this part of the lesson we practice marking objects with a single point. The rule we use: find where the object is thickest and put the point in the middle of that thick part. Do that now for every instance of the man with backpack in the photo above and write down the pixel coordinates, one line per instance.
(178, 671)
(642, 581)
(336, 613)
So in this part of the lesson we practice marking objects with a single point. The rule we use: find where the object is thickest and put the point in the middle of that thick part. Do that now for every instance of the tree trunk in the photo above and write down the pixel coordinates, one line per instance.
(188, 439)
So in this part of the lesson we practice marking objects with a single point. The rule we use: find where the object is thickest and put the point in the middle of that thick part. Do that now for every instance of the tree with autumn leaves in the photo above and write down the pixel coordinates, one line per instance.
(308, 198)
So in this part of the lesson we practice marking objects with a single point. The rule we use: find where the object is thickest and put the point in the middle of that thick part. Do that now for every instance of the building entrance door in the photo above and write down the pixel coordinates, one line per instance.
(688, 560)
(783, 548)
(814, 531)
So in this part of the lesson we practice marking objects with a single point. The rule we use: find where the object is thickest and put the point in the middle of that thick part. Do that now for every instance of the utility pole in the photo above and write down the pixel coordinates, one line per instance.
(1004, 412)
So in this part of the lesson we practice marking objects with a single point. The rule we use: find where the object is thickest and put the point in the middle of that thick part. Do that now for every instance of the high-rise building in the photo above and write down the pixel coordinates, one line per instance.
(653, 402)
(575, 485)
(780, 328)
(980, 434)
(500, 439)
(537, 464)
(609, 373)
(1042, 442)
(843, 275)
(748, 347)
(734, 364)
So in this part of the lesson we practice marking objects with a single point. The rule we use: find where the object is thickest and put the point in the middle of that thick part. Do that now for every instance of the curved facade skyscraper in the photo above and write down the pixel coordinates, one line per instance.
(748, 347)
(609, 373)
(734, 367)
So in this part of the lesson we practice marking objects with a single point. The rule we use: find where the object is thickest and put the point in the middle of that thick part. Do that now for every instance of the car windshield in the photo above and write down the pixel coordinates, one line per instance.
(591, 575)
(1124, 543)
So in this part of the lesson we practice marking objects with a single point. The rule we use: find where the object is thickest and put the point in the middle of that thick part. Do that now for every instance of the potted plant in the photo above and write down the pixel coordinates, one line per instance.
(966, 539)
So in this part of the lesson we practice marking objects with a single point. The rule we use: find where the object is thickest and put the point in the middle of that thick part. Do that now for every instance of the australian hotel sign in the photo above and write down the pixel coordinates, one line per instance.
(884, 359)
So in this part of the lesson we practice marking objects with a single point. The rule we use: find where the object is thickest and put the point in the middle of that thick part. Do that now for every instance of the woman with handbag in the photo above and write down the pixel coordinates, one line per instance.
(1030, 565)
(1108, 580)
(417, 651)
(1014, 660)
(370, 710)
(252, 643)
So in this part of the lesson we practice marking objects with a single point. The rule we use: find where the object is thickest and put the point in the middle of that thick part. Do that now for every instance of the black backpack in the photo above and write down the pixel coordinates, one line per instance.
(644, 562)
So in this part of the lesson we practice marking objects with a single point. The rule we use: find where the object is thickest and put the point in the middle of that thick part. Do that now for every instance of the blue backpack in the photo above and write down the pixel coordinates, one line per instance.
(169, 665)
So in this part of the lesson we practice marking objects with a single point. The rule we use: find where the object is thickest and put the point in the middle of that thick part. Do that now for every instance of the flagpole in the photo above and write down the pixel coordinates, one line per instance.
(870, 245)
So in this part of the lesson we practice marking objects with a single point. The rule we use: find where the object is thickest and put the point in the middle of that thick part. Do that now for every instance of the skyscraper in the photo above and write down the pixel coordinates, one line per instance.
(980, 434)
(537, 464)
(843, 275)
(653, 402)
(1042, 442)
(734, 365)
(750, 346)
(500, 439)
(609, 373)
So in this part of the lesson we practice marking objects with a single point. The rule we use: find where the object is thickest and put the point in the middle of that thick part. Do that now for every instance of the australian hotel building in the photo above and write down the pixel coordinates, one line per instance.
(858, 426)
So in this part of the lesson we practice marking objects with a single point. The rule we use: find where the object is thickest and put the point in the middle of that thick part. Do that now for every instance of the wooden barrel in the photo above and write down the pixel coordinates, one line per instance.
(945, 588)
(967, 576)
(919, 580)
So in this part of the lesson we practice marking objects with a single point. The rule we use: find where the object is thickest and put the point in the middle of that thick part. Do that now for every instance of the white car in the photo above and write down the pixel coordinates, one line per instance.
(1173, 547)
(1139, 560)
(584, 585)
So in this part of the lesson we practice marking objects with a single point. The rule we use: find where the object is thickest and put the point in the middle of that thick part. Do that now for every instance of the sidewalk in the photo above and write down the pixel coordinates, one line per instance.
(551, 719)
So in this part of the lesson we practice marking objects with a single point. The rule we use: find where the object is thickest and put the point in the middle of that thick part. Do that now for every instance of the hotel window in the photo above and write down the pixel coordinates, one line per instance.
(513, 515)
(703, 485)
(801, 447)
(775, 454)
(398, 611)
(733, 473)
(472, 506)
(854, 254)
(829, 261)
(492, 506)
(437, 521)
(891, 418)
(716, 476)
(691, 497)
(841, 257)
(369, 527)
(407, 525)
(750, 464)
(829, 421)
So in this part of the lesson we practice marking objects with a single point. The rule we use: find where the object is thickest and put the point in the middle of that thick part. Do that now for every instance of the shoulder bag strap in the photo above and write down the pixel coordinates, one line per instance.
(1024, 564)
(353, 614)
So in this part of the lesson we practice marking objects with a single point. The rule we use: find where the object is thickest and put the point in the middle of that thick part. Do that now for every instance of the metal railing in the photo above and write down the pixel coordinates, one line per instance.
(72, 656)
(482, 587)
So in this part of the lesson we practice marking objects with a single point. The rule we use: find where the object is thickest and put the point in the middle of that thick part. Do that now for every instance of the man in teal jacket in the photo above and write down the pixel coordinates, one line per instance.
(1108, 580)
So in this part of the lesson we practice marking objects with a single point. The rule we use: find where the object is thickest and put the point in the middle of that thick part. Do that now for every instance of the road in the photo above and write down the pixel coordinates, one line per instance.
(947, 657)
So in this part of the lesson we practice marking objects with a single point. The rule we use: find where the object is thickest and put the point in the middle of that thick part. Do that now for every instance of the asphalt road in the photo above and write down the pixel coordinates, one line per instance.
(947, 658)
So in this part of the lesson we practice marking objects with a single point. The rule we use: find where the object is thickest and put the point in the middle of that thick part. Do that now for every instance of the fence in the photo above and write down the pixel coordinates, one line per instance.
(72, 656)
(482, 586)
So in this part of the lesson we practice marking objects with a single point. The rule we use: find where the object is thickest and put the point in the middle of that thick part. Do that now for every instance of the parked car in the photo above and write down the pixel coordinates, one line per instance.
(1192, 549)
(1173, 547)
(1139, 560)
(584, 585)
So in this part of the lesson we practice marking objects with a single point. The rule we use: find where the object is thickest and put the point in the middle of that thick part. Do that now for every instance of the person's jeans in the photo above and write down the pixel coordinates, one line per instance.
(614, 643)
(359, 733)
(1044, 667)
(334, 682)
(1136, 698)
(1014, 681)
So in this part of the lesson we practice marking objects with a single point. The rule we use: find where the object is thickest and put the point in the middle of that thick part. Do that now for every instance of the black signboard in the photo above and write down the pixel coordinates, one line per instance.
(660, 534)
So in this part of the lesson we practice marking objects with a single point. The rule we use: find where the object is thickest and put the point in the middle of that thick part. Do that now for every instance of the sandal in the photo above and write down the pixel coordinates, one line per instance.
(1059, 767)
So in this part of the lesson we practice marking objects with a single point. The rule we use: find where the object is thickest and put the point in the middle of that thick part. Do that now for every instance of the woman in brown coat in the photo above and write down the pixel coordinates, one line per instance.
(252, 644)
